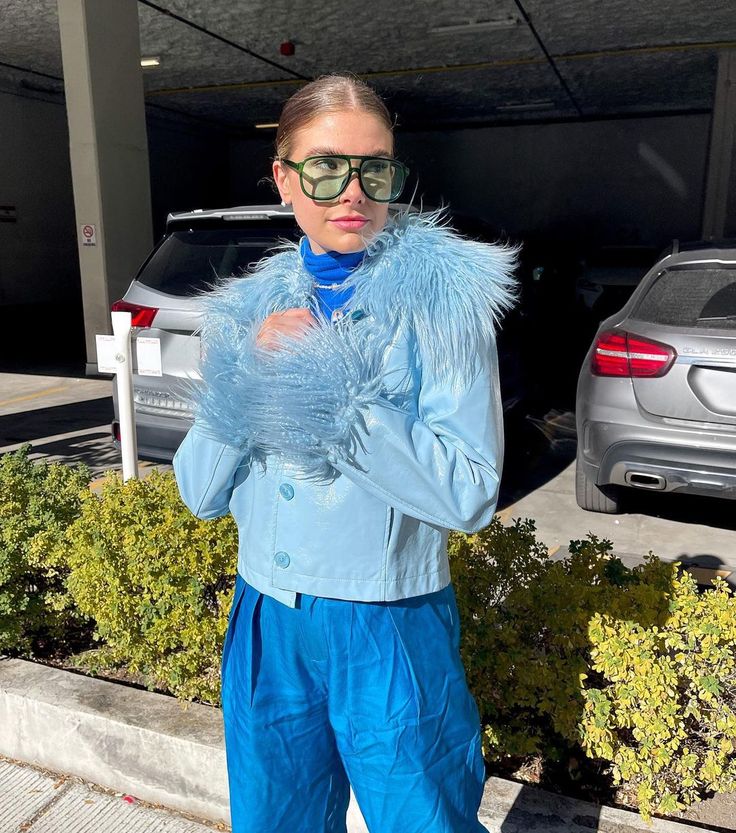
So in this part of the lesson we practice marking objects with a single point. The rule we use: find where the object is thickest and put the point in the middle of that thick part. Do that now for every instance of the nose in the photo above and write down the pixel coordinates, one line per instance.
(353, 193)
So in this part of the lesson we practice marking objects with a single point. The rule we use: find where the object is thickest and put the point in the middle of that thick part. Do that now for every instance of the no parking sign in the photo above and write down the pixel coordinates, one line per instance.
(89, 234)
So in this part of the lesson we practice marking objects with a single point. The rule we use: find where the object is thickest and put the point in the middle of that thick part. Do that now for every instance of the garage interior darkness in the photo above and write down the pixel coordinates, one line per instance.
(569, 124)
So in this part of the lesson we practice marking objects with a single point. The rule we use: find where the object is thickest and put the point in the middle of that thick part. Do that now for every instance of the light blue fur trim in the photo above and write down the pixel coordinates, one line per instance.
(452, 290)
(304, 401)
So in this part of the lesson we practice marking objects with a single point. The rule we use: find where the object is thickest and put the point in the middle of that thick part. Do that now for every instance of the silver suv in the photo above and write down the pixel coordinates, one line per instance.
(197, 247)
(656, 397)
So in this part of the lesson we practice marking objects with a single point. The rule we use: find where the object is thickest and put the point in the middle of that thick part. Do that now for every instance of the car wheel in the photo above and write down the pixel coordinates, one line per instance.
(592, 497)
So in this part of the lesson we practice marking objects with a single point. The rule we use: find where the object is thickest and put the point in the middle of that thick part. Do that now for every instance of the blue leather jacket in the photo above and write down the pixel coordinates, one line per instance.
(346, 456)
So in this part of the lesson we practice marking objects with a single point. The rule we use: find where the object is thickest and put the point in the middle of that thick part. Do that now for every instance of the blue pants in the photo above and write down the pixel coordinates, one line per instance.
(335, 693)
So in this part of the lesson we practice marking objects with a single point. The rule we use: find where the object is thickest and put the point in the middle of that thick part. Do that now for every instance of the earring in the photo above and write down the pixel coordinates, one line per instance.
(283, 204)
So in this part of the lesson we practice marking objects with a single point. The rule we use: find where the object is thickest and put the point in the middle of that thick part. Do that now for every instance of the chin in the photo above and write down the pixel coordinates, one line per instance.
(349, 242)
(358, 246)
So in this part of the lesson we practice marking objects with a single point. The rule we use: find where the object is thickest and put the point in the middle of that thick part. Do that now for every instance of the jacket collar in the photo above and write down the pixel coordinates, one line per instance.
(417, 271)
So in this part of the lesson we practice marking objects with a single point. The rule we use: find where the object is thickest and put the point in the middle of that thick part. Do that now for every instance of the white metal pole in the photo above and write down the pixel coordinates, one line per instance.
(124, 380)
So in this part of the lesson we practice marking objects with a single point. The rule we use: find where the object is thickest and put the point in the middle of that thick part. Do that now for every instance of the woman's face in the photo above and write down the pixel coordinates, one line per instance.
(348, 222)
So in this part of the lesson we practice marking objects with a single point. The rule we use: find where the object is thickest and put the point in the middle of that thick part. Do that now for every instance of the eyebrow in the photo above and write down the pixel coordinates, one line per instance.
(327, 151)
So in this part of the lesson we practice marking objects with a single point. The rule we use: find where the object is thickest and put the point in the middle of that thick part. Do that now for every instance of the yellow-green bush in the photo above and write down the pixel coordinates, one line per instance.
(660, 703)
(36, 499)
(156, 580)
(632, 665)
(525, 625)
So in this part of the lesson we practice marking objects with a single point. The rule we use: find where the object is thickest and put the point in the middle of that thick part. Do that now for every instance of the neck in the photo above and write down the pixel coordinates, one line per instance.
(329, 266)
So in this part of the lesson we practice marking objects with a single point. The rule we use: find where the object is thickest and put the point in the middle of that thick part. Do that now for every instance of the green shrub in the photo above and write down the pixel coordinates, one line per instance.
(156, 580)
(634, 666)
(660, 703)
(37, 500)
(525, 625)
(487, 568)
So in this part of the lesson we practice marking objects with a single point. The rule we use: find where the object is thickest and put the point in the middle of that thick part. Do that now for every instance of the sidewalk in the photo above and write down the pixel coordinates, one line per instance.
(164, 755)
(66, 419)
(34, 800)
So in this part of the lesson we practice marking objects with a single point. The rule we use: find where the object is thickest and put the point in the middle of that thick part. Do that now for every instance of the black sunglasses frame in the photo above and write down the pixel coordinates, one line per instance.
(299, 168)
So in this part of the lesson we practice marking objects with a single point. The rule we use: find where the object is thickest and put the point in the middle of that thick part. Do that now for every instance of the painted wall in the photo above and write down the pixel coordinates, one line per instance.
(583, 184)
(38, 254)
(189, 169)
(618, 181)
(250, 165)
(39, 261)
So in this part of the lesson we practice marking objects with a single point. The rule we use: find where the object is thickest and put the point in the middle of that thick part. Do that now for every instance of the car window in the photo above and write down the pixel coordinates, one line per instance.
(189, 260)
(691, 297)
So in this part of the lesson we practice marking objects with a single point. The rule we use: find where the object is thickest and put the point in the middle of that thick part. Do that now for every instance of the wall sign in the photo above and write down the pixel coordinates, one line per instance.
(89, 234)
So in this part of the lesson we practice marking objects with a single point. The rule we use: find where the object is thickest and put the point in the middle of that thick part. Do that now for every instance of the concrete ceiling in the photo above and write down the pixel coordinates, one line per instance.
(560, 59)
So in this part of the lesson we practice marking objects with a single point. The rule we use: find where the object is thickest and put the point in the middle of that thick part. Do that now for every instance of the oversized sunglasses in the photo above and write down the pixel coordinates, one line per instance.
(326, 177)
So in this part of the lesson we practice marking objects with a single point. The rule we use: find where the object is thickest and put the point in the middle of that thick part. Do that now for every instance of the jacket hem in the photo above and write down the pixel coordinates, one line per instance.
(348, 589)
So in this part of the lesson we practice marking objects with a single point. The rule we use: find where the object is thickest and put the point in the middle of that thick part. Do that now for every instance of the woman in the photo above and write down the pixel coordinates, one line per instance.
(349, 415)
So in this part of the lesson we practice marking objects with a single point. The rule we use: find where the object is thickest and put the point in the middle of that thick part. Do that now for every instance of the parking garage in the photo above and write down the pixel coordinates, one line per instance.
(593, 134)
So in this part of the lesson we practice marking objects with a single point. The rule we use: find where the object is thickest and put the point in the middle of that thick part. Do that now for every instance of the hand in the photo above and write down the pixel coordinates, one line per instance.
(290, 323)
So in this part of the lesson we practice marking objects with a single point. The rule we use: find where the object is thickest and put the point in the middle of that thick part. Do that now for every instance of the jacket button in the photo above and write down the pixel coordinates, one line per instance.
(287, 491)
(281, 559)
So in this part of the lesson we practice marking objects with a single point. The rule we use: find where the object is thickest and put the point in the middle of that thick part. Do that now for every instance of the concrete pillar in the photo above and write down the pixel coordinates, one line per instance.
(100, 49)
(721, 155)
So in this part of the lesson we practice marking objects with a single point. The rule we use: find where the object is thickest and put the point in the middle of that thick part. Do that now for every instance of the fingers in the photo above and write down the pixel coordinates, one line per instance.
(290, 323)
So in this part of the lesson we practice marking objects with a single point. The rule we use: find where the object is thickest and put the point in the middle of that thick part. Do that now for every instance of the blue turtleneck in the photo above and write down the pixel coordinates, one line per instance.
(330, 268)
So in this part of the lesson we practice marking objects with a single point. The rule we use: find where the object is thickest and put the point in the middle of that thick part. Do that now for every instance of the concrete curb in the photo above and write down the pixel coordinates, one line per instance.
(170, 753)
(510, 807)
(134, 741)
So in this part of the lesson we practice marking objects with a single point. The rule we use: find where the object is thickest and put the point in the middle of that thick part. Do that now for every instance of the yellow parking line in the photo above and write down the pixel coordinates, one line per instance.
(32, 395)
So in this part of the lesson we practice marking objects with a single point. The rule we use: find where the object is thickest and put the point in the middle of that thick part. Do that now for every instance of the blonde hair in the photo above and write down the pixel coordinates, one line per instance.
(327, 94)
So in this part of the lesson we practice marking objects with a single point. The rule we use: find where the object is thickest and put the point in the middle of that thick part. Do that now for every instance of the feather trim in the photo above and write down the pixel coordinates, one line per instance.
(452, 290)
(304, 401)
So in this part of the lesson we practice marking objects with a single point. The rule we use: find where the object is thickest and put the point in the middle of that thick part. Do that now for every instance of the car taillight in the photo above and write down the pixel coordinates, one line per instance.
(140, 316)
(618, 353)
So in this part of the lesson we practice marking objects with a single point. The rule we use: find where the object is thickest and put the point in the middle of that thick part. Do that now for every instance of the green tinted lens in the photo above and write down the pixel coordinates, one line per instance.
(382, 179)
(323, 177)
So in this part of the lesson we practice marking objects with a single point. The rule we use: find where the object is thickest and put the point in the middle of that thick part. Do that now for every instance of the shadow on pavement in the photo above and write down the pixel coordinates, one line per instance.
(704, 567)
(37, 423)
(77, 432)
(94, 450)
(694, 509)
(63, 369)
(533, 810)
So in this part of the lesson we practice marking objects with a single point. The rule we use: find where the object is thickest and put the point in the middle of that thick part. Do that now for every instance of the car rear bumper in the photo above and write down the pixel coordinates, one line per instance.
(664, 468)
(620, 445)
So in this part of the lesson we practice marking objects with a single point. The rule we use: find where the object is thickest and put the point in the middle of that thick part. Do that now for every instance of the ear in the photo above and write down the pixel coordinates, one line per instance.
(281, 178)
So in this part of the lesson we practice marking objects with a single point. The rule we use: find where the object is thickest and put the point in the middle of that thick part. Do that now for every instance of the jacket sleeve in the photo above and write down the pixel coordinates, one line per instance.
(443, 464)
(206, 472)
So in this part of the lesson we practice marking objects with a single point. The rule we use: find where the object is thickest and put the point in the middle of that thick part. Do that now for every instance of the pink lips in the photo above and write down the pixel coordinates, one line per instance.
(350, 223)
